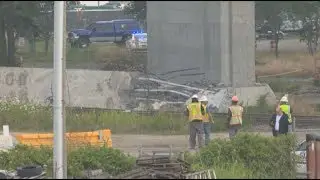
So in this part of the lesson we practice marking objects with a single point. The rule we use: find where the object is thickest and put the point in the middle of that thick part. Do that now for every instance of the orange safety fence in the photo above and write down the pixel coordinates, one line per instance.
(94, 138)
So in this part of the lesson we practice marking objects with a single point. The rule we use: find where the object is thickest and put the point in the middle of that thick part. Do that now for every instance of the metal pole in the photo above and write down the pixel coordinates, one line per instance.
(58, 120)
(65, 35)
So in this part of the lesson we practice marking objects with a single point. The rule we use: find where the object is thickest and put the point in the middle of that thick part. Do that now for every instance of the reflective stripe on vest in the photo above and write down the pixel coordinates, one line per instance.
(236, 112)
(194, 111)
(286, 109)
(205, 117)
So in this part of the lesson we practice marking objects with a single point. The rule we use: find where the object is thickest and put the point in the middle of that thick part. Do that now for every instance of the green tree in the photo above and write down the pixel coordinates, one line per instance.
(308, 13)
(29, 19)
(46, 20)
(274, 13)
(15, 16)
(137, 9)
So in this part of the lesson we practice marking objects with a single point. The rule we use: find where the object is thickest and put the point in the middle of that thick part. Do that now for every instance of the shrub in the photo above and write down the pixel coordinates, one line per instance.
(110, 160)
(249, 156)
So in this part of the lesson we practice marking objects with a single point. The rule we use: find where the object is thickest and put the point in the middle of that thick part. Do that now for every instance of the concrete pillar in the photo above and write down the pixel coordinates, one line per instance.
(195, 40)
(243, 43)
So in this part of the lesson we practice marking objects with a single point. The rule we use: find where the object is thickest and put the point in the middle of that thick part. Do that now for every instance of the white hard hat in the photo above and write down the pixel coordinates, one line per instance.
(204, 98)
(194, 96)
(284, 99)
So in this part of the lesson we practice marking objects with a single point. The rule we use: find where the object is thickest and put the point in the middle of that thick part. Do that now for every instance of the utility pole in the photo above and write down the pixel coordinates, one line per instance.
(64, 75)
(59, 162)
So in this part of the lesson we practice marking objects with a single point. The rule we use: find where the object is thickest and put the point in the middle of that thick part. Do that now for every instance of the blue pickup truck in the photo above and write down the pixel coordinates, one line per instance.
(117, 31)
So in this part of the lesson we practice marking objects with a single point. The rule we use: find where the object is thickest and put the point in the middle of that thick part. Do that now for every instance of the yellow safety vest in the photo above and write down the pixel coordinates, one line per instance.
(286, 109)
(194, 111)
(236, 117)
(205, 117)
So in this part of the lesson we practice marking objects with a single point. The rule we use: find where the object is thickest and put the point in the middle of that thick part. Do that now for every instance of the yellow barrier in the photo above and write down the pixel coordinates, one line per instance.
(95, 138)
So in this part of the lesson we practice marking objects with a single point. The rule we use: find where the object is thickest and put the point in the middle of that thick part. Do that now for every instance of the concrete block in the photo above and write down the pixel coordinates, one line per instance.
(250, 95)
(6, 142)
(84, 88)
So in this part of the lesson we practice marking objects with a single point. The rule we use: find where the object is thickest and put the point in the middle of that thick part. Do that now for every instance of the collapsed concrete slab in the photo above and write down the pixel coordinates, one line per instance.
(156, 94)
(130, 91)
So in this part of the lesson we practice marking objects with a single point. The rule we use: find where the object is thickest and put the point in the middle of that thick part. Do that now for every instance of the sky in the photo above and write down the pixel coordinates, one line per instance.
(93, 3)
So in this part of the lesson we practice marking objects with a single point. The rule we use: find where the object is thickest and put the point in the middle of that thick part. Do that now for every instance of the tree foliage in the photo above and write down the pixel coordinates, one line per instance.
(274, 13)
(29, 19)
(138, 9)
(308, 13)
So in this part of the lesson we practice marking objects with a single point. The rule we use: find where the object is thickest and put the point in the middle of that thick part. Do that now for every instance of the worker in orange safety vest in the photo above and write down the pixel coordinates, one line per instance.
(234, 117)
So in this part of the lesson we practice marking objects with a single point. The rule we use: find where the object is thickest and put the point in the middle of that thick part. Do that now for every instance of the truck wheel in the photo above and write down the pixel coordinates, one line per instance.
(83, 42)
(29, 171)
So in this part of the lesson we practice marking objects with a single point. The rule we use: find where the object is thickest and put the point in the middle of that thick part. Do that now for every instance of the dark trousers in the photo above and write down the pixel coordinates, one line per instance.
(195, 129)
(275, 133)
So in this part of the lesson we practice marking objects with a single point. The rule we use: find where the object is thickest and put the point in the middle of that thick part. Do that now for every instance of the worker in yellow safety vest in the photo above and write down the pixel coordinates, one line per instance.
(234, 117)
(207, 120)
(285, 107)
(195, 113)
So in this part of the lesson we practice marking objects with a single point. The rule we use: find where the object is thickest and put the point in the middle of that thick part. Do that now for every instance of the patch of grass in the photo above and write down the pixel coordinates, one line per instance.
(96, 53)
(248, 156)
(29, 117)
(297, 63)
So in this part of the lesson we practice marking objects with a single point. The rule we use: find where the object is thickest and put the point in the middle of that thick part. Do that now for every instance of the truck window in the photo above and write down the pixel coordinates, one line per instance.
(103, 27)
(91, 26)
(108, 27)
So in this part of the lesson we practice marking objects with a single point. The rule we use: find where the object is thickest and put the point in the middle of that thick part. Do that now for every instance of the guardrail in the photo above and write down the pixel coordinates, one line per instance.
(74, 139)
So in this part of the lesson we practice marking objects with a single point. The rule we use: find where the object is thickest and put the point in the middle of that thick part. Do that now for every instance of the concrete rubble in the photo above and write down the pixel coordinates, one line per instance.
(155, 94)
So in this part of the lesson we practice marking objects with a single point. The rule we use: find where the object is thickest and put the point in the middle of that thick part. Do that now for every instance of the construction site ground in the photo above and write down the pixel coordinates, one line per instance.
(131, 143)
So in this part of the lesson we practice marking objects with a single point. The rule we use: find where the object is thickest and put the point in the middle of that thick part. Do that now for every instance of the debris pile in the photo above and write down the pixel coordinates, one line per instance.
(161, 167)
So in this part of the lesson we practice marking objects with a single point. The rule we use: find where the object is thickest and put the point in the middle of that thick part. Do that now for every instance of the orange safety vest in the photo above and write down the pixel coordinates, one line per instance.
(194, 111)
(205, 117)
(236, 118)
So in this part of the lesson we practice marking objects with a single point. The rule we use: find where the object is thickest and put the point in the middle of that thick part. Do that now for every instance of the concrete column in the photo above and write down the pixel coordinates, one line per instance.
(225, 43)
(197, 40)
(243, 43)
